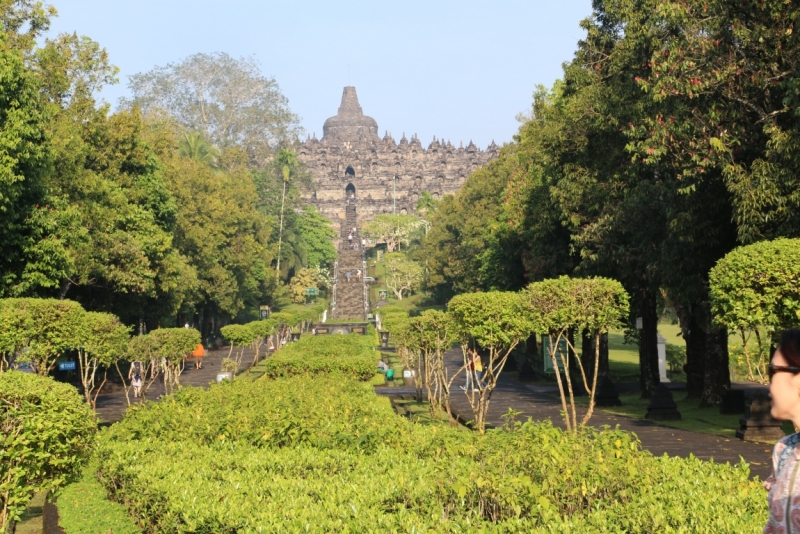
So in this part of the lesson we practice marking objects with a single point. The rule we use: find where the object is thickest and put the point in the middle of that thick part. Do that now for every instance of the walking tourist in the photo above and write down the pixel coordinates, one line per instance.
(358, 275)
(470, 372)
(135, 376)
(477, 364)
(198, 353)
(348, 275)
(783, 487)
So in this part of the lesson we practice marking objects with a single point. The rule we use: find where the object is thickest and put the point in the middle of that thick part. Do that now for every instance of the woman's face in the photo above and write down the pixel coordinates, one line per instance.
(784, 389)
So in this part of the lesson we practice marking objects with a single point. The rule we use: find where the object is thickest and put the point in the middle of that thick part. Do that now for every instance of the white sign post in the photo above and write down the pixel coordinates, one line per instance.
(662, 358)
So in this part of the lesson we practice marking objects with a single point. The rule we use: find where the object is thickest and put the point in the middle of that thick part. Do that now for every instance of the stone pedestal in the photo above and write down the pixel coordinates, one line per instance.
(732, 402)
(662, 407)
(757, 423)
(606, 394)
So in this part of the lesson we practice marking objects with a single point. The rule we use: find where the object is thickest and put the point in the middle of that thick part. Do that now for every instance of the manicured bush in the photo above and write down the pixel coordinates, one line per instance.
(84, 508)
(328, 455)
(44, 327)
(45, 432)
(323, 411)
(351, 355)
(754, 292)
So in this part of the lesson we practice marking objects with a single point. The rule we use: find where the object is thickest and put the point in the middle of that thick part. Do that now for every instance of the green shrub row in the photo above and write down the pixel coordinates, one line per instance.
(327, 455)
(326, 412)
(351, 355)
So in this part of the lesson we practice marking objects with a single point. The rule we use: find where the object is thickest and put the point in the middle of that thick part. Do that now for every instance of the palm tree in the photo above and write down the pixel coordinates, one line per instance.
(195, 146)
(426, 203)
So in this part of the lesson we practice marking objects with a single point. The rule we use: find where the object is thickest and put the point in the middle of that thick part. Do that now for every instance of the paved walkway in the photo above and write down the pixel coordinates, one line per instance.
(537, 404)
(111, 404)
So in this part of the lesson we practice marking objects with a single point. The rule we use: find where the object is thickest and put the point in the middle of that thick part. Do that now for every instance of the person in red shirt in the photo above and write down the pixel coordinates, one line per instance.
(198, 353)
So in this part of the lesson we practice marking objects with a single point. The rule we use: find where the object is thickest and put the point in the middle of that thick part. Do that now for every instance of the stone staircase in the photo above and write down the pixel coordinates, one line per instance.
(350, 299)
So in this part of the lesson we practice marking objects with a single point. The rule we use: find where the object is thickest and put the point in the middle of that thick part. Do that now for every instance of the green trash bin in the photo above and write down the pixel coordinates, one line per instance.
(390, 374)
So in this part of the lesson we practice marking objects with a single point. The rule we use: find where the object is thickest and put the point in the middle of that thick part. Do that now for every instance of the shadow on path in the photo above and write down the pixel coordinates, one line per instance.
(655, 438)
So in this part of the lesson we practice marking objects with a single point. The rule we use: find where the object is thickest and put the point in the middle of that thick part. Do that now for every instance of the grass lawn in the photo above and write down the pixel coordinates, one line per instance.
(420, 412)
(417, 301)
(705, 420)
(294, 308)
(623, 359)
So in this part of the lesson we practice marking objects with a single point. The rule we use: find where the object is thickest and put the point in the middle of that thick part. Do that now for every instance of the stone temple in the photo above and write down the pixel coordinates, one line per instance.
(352, 159)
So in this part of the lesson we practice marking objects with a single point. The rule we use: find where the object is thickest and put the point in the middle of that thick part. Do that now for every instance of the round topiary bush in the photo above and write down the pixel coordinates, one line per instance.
(46, 431)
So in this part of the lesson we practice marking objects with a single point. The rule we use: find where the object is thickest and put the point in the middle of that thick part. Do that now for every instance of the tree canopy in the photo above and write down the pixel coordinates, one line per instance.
(228, 100)
(162, 212)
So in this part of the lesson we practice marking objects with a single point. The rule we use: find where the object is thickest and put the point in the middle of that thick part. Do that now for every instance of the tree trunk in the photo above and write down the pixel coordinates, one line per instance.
(604, 367)
(65, 285)
(588, 354)
(648, 344)
(717, 378)
(696, 338)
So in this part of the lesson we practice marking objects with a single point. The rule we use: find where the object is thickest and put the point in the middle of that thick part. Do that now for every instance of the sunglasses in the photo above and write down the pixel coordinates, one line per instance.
(772, 369)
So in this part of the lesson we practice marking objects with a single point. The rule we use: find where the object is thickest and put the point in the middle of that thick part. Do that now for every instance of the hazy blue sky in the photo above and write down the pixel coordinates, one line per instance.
(459, 70)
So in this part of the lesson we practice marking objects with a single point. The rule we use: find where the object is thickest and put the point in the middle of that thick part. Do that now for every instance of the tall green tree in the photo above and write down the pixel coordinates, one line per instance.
(24, 161)
(228, 100)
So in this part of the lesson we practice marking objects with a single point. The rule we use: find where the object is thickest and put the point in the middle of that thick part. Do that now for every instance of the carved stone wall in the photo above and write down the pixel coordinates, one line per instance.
(352, 159)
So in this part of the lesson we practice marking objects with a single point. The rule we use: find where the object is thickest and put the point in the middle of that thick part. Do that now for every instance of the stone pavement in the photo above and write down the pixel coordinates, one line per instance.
(111, 403)
(537, 404)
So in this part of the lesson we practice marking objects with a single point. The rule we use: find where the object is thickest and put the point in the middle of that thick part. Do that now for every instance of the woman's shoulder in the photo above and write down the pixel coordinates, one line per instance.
(792, 440)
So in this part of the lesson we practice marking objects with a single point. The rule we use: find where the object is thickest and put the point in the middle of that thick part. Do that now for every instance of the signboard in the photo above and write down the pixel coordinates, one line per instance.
(562, 355)
(66, 366)
(264, 311)
(383, 294)
(312, 291)
(224, 376)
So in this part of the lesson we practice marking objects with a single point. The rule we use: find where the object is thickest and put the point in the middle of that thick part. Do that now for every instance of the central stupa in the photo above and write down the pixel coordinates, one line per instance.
(384, 175)
(350, 124)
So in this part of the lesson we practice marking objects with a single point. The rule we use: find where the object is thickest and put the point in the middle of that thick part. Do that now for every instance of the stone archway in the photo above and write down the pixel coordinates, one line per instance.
(349, 172)
(350, 191)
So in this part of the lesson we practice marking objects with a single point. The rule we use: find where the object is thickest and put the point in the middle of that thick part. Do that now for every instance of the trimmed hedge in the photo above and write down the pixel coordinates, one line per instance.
(350, 355)
(327, 455)
(46, 430)
(325, 413)
(84, 508)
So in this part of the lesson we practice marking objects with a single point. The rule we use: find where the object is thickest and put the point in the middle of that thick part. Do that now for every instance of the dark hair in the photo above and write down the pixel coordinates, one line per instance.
(790, 346)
